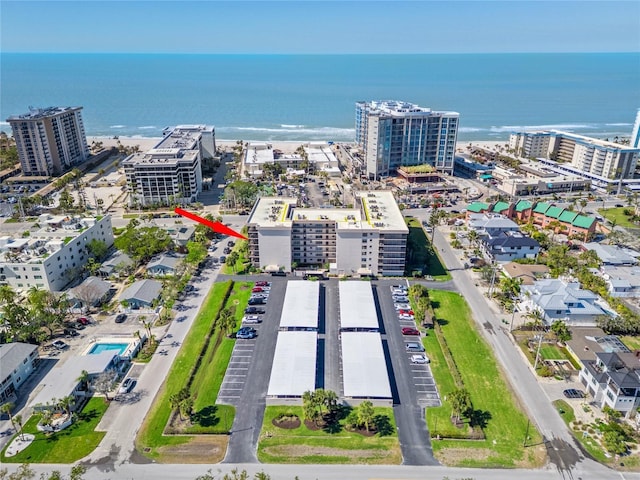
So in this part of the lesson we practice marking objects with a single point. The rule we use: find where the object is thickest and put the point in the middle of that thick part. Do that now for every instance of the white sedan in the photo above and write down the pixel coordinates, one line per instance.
(251, 319)
(419, 358)
(402, 306)
(406, 316)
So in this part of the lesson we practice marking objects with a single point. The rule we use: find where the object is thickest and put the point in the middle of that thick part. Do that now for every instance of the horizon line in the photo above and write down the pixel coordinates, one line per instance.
(325, 53)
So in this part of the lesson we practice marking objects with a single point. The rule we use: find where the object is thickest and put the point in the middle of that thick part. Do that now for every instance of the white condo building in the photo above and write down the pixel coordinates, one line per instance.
(606, 164)
(369, 239)
(49, 140)
(53, 256)
(393, 134)
(319, 155)
(171, 172)
(635, 134)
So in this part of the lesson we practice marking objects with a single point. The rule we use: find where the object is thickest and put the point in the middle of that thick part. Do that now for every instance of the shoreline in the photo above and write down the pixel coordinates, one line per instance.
(147, 143)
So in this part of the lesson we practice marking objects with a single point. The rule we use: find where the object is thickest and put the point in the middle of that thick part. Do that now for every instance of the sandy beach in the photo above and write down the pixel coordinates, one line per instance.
(147, 143)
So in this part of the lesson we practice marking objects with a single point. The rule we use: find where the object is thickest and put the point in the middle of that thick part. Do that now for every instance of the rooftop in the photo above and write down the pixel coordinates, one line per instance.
(357, 307)
(527, 273)
(301, 304)
(12, 355)
(400, 108)
(612, 254)
(293, 369)
(40, 113)
(364, 367)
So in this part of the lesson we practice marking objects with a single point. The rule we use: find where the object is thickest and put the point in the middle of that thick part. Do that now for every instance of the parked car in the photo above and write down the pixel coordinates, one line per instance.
(251, 319)
(419, 358)
(246, 334)
(260, 294)
(402, 288)
(257, 289)
(410, 331)
(256, 301)
(254, 311)
(70, 332)
(573, 393)
(127, 385)
(59, 344)
(121, 318)
(402, 306)
(414, 347)
(262, 283)
(84, 321)
(400, 299)
(278, 274)
(223, 259)
(404, 316)
(405, 312)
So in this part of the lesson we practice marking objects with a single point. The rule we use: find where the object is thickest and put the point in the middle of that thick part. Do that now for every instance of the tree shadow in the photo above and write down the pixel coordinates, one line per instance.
(332, 419)
(383, 425)
(206, 417)
(478, 418)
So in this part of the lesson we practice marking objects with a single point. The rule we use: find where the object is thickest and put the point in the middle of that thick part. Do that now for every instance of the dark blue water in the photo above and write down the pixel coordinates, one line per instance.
(297, 97)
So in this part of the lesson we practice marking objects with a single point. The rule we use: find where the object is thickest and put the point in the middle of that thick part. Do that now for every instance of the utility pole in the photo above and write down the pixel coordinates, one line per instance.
(493, 278)
(535, 364)
(513, 314)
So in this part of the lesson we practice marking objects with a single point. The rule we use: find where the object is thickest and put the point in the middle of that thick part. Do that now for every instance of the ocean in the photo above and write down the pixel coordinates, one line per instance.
(312, 97)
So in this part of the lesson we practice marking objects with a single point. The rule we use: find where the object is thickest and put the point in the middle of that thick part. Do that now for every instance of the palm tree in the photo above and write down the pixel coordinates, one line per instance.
(18, 420)
(83, 379)
(366, 414)
(66, 402)
(536, 316)
(460, 401)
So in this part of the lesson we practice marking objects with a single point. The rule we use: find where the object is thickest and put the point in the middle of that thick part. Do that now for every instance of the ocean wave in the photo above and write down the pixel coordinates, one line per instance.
(618, 124)
(307, 131)
(470, 129)
(117, 126)
(559, 126)
(284, 125)
(149, 127)
(4, 124)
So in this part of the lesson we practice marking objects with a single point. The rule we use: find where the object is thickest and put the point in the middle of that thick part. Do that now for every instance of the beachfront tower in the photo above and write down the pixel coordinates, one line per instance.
(49, 140)
(635, 134)
(394, 134)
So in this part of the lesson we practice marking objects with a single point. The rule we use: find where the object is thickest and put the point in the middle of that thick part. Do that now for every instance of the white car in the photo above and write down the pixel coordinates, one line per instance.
(127, 385)
(402, 306)
(419, 358)
(251, 319)
(406, 316)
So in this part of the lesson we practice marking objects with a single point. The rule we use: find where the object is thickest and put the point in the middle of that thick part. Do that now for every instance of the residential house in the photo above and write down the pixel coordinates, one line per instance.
(182, 235)
(509, 246)
(613, 380)
(91, 292)
(141, 294)
(115, 264)
(17, 361)
(165, 264)
(522, 210)
(613, 254)
(566, 221)
(557, 299)
(527, 274)
(477, 207)
(622, 281)
(491, 224)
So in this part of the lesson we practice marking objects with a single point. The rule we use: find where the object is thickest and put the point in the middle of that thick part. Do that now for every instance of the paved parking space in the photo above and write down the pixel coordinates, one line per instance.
(425, 385)
(237, 371)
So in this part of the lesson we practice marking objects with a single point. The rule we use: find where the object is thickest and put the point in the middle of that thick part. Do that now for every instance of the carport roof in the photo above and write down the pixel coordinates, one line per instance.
(300, 307)
(364, 368)
(357, 308)
(293, 370)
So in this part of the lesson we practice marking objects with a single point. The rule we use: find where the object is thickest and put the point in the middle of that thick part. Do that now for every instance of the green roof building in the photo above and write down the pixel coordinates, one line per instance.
(582, 221)
(541, 207)
(568, 216)
(478, 207)
(523, 205)
(500, 207)
(554, 212)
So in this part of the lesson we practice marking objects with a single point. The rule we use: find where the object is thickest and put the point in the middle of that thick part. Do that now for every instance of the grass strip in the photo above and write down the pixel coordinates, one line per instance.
(68, 445)
(304, 445)
(151, 437)
(505, 424)
(421, 256)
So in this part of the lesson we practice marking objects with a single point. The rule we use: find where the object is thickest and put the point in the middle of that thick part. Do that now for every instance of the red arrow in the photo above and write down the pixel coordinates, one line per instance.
(215, 226)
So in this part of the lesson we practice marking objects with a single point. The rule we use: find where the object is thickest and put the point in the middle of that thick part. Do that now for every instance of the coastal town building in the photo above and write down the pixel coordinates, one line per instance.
(260, 158)
(17, 361)
(393, 134)
(171, 172)
(635, 133)
(368, 239)
(558, 299)
(49, 140)
(608, 165)
(141, 294)
(52, 256)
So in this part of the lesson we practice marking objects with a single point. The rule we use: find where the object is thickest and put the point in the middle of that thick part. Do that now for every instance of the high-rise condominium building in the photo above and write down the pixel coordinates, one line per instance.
(171, 172)
(369, 239)
(395, 134)
(635, 134)
(49, 140)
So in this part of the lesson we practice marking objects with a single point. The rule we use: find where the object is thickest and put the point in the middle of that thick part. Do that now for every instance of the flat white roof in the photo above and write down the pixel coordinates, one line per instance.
(293, 371)
(364, 368)
(357, 308)
(300, 307)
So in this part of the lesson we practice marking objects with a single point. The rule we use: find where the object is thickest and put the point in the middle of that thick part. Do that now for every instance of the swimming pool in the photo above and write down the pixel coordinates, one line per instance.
(118, 348)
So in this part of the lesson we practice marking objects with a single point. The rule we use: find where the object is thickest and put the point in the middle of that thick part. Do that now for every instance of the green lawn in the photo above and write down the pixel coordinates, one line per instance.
(242, 264)
(420, 255)
(303, 445)
(631, 341)
(552, 352)
(151, 438)
(617, 214)
(565, 410)
(506, 424)
(68, 445)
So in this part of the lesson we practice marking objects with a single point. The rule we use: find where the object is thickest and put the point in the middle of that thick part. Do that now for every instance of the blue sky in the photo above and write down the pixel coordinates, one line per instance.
(320, 26)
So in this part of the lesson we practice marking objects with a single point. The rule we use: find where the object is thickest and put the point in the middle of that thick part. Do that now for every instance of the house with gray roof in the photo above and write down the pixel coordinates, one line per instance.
(491, 224)
(115, 263)
(141, 294)
(613, 254)
(613, 379)
(90, 293)
(182, 234)
(508, 246)
(622, 281)
(558, 299)
(17, 361)
(165, 264)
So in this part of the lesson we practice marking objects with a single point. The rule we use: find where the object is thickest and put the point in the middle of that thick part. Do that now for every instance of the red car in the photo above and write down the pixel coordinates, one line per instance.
(262, 283)
(405, 312)
(256, 290)
(410, 331)
(83, 321)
